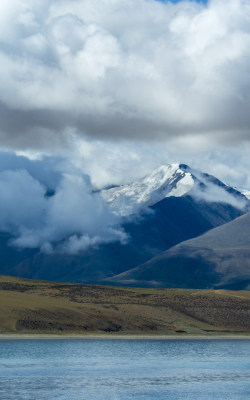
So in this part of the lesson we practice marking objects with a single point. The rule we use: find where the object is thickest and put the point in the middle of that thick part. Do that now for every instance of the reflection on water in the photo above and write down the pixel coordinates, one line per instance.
(124, 370)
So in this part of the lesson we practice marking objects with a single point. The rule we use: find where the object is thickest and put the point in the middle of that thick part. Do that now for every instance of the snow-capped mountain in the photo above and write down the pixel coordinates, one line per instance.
(183, 203)
(175, 180)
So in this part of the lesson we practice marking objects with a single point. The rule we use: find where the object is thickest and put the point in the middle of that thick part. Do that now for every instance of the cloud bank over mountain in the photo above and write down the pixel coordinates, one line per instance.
(123, 70)
(67, 218)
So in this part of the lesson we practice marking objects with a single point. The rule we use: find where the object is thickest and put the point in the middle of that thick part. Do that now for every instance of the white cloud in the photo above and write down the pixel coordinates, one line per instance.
(22, 201)
(123, 69)
(70, 220)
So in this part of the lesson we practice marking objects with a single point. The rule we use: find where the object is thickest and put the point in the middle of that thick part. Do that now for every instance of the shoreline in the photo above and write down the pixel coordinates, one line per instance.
(41, 336)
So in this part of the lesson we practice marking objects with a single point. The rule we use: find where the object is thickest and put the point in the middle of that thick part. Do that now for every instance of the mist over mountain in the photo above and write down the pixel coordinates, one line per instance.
(52, 206)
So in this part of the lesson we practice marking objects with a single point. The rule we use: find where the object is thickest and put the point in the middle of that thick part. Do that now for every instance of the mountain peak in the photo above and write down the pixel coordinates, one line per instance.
(184, 167)
(165, 181)
(168, 180)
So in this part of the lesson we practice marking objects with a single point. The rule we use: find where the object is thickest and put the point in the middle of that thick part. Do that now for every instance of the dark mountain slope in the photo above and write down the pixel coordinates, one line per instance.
(219, 258)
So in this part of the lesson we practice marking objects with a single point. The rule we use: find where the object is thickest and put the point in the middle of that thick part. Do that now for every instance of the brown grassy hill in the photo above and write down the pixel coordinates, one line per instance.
(30, 306)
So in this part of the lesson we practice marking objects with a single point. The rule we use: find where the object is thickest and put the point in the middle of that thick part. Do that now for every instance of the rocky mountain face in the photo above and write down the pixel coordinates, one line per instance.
(172, 204)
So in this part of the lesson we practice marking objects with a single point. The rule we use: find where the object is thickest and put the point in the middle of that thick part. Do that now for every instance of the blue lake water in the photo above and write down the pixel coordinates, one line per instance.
(124, 369)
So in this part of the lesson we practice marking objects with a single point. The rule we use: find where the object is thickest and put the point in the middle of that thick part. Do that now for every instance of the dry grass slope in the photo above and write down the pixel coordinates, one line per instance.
(28, 306)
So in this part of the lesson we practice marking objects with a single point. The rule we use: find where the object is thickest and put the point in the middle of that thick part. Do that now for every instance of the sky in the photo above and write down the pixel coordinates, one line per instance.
(100, 92)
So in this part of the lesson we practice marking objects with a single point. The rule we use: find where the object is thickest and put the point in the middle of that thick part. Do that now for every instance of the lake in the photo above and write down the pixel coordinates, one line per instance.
(124, 369)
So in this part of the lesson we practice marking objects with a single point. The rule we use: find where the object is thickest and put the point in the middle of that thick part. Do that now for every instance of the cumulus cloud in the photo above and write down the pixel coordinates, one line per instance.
(69, 219)
(137, 69)
(46, 170)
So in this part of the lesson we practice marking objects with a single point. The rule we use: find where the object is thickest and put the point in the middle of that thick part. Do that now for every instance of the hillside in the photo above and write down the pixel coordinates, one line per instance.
(219, 258)
(29, 306)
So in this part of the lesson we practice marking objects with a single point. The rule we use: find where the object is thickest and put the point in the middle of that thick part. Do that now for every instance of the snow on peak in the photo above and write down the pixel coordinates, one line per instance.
(245, 192)
(164, 181)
